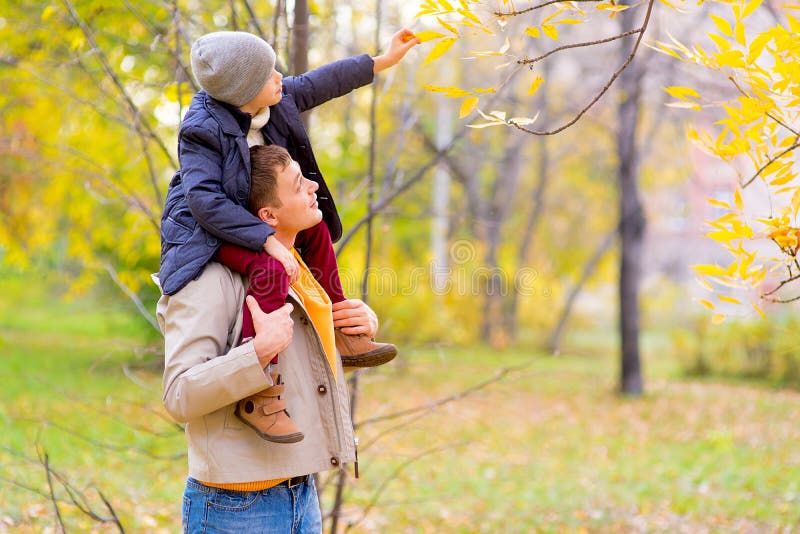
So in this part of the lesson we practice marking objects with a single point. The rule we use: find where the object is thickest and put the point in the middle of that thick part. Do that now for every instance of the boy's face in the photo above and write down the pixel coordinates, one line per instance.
(299, 209)
(270, 94)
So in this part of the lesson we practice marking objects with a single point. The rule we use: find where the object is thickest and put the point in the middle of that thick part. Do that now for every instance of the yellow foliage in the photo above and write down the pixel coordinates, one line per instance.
(439, 50)
(467, 106)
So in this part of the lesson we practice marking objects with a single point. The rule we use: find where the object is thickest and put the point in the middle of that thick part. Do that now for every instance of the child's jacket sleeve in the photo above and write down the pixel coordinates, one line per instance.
(329, 81)
(210, 187)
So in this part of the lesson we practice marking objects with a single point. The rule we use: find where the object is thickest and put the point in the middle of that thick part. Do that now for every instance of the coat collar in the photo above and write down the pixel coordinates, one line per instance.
(231, 119)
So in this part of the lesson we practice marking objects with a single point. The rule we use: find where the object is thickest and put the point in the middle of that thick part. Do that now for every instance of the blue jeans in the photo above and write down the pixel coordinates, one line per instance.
(277, 510)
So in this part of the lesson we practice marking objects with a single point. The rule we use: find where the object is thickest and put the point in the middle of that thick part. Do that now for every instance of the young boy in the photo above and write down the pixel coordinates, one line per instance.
(244, 103)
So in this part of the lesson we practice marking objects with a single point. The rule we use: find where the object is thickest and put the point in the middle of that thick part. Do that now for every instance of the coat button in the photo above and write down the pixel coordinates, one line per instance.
(334, 461)
(322, 389)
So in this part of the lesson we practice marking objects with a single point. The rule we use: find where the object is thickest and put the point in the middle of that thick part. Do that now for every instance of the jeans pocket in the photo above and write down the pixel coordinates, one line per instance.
(232, 501)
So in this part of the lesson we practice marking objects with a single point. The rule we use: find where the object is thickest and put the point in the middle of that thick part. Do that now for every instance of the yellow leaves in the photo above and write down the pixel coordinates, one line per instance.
(551, 31)
(450, 92)
(535, 85)
(533, 31)
(718, 318)
(706, 303)
(425, 36)
(739, 32)
(722, 25)
(469, 103)
(447, 25)
(751, 7)
(467, 106)
(439, 50)
(612, 8)
(737, 199)
(48, 12)
(681, 92)
(709, 270)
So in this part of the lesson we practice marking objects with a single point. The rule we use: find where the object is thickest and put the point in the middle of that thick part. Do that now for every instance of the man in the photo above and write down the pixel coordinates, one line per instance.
(237, 481)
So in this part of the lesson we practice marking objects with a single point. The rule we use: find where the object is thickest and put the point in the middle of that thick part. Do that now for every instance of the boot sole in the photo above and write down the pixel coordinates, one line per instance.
(371, 359)
(288, 438)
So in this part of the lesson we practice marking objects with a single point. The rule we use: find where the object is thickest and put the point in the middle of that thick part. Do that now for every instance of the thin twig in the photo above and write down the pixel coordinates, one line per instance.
(770, 162)
(528, 61)
(640, 31)
(254, 19)
(770, 115)
(514, 13)
(499, 375)
(138, 120)
(107, 446)
(393, 476)
(133, 296)
(46, 464)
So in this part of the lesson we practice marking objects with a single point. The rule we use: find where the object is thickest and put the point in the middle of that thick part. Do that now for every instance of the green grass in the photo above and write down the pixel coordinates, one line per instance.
(548, 448)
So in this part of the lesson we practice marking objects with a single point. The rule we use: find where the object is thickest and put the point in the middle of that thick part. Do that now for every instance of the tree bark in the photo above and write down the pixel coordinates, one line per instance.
(632, 222)
(299, 50)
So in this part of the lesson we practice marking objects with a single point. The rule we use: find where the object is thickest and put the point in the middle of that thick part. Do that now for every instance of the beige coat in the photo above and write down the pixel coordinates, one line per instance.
(205, 374)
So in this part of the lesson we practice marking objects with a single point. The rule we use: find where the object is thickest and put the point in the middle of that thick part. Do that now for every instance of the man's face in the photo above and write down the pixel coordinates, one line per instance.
(271, 93)
(299, 209)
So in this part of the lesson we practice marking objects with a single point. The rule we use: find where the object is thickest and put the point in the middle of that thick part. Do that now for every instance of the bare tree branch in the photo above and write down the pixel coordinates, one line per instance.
(514, 12)
(604, 90)
(254, 19)
(102, 445)
(133, 296)
(141, 126)
(394, 474)
(769, 162)
(531, 61)
(498, 376)
(45, 460)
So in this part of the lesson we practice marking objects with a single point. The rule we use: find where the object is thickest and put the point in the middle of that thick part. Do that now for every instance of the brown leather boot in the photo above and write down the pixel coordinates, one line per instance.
(360, 351)
(266, 413)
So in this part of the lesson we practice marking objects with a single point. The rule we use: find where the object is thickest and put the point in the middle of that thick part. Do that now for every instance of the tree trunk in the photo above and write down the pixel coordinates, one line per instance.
(299, 51)
(632, 222)
(440, 269)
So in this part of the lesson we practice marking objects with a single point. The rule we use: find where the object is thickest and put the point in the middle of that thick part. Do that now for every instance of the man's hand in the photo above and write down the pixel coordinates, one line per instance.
(275, 248)
(353, 316)
(402, 42)
(273, 330)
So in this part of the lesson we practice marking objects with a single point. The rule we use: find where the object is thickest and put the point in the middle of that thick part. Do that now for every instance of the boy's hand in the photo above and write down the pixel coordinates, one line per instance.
(402, 42)
(354, 317)
(275, 248)
(273, 330)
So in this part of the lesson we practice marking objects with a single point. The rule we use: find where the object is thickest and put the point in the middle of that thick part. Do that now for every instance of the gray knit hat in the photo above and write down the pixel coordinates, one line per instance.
(232, 66)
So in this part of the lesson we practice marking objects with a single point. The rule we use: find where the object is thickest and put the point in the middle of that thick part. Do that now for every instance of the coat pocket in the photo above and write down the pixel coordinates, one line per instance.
(175, 232)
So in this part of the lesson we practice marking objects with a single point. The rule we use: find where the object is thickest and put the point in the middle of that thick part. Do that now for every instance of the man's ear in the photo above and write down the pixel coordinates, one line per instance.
(267, 214)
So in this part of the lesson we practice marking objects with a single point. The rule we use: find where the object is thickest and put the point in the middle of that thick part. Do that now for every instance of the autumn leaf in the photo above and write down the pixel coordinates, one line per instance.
(428, 36)
(467, 106)
(533, 32)
(439, 50)
(550, 31)
(535, 85)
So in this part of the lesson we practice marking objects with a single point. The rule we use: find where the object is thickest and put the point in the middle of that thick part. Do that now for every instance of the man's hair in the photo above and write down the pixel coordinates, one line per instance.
(266, 162)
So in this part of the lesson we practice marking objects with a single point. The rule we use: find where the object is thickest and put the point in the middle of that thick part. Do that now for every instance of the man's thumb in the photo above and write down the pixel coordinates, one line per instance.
(252, 305)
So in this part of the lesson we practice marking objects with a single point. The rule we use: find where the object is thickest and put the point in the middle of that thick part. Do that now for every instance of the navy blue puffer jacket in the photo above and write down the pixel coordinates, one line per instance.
(207, 198)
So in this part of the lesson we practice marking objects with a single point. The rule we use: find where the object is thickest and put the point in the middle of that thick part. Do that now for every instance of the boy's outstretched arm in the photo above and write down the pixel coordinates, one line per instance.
(401, 43)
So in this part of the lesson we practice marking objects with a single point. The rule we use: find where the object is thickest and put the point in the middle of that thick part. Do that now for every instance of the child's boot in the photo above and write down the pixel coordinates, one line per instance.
(361, 351)
(266, 413)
